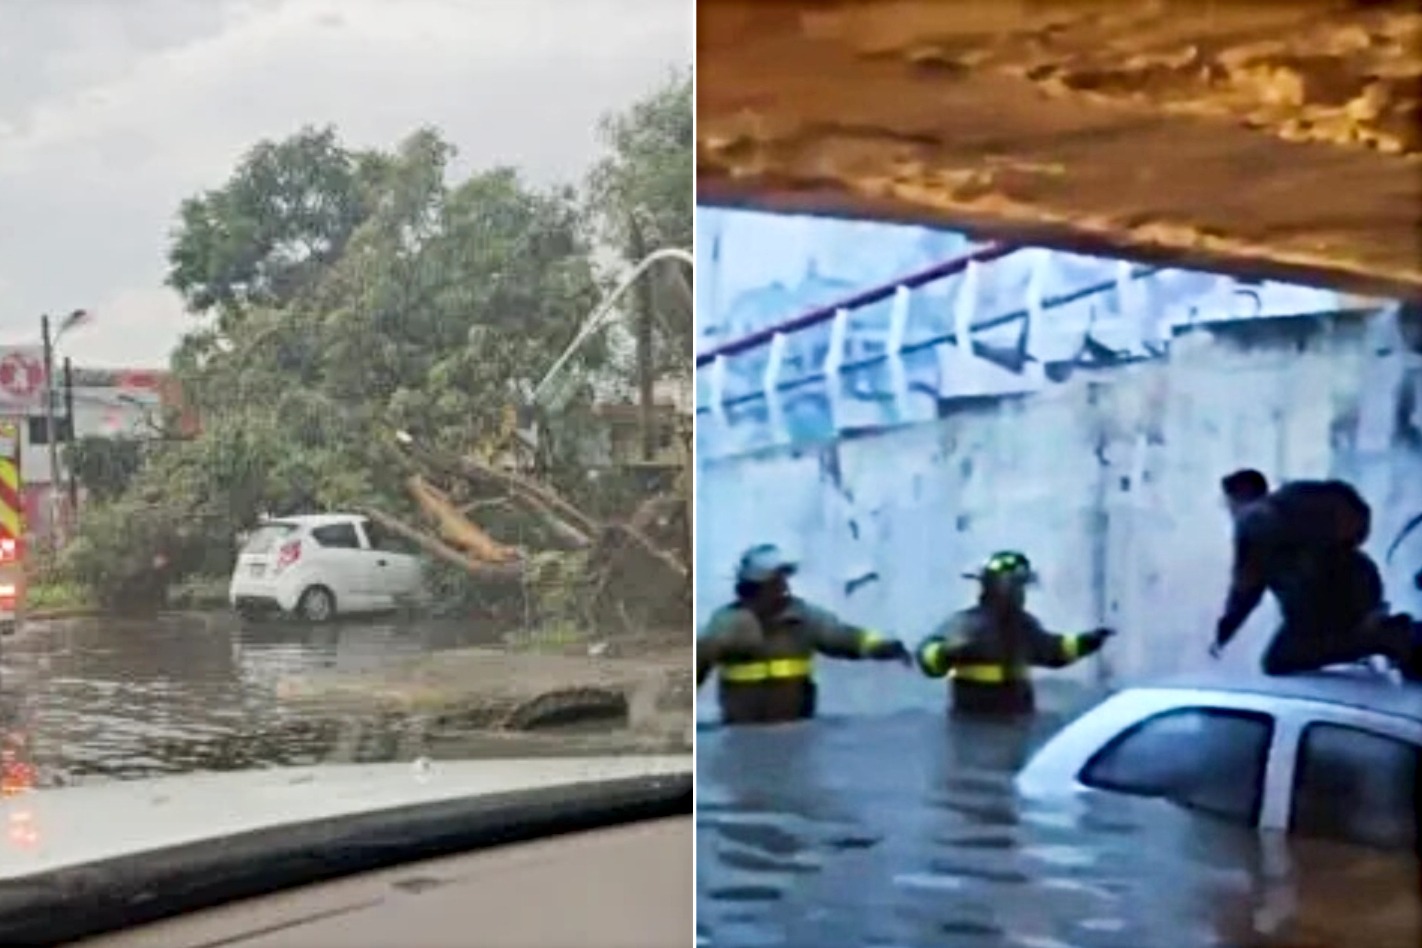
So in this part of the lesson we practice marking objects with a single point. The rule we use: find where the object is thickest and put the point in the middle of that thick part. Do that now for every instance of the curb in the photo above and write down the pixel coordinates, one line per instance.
(94, 612)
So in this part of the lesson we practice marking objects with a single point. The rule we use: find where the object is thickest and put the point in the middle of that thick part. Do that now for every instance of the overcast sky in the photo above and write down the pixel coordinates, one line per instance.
(113, 111)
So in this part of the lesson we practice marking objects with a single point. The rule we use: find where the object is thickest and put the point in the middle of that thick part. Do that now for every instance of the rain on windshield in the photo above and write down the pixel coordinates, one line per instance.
(297, 267)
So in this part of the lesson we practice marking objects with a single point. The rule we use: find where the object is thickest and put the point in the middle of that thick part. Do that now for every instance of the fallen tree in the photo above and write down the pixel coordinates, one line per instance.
(612, 575)
(409, 301)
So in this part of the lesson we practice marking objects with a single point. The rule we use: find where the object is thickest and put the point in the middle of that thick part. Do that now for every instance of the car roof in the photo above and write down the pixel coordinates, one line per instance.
(314, 520)
(1357, 688)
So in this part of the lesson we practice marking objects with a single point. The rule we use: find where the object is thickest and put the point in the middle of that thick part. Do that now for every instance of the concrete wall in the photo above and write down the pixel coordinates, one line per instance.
(1108, 481)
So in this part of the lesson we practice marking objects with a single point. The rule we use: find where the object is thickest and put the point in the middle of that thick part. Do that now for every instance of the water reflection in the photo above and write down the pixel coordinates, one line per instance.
(902, 829)
(108, 698)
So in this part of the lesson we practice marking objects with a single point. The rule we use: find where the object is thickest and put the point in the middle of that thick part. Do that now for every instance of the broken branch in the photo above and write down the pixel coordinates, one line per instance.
(473, 567)
(455, 528)
(523, 488)
(672, 563)
(571, 534)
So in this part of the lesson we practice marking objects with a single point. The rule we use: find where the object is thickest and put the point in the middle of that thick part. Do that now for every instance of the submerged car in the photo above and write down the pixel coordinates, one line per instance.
(1332, 755)
(315, 567)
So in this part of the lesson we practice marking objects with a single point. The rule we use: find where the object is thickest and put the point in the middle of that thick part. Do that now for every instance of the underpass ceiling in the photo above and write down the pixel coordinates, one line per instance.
(1264, 139)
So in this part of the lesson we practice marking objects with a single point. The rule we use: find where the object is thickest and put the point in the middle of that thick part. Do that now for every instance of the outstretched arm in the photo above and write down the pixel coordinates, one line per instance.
(838, 639)
(1053, 650)
(1246, 587)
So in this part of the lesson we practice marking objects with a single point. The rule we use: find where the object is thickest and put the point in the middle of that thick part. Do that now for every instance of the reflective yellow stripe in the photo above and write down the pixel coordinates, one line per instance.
(9, 474)
(933, 658)
(868, 641)
(1071, 647)
(771, 670)
(982, 674)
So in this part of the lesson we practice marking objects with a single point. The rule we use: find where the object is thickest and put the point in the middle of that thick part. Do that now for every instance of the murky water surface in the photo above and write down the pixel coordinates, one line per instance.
(886, 824)
(106, 698)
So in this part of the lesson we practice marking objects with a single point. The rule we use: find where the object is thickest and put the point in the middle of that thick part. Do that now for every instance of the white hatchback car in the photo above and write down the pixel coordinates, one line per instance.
(317, 566)
(1331, 755)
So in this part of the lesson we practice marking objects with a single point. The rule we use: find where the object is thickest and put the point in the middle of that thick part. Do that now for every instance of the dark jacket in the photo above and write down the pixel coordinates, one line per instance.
(987, 656)
(1320, 513)
(766, 668)
(1291, 542)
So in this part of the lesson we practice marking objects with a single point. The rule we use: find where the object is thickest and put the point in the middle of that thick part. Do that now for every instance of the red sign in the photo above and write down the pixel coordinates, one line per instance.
(141, 379)
(21, 375)
(21, 380)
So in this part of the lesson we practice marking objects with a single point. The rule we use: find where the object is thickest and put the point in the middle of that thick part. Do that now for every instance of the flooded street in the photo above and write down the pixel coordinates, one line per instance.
(105, 698)
(883, 823)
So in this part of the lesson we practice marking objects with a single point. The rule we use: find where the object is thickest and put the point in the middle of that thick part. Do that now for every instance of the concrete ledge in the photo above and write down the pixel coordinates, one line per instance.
(1124, 129)
(95, 612)
(642, 703)
(71, 612)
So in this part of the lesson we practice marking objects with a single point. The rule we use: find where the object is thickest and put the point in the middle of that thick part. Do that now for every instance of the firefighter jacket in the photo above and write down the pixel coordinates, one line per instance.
(766, 667)
(987, 655)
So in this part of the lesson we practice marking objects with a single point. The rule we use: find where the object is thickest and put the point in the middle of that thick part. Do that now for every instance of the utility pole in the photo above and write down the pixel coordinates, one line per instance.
(50, 433)
(646, 372)
(72, 431)
(51, 338)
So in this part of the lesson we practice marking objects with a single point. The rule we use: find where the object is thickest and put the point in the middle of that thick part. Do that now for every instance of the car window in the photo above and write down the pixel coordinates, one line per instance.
(338, 535)
(1204, 759)
(1356, 786)
(385, 540)
(265, 537)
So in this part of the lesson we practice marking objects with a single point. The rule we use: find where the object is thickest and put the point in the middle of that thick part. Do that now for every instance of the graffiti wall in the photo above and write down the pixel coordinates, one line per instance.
(1106, 478)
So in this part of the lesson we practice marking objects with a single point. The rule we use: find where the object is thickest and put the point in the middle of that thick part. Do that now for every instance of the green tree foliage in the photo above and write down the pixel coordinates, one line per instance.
(104, 467)
(646, 181)
(353, 294)
(265, 236)
(647, 171)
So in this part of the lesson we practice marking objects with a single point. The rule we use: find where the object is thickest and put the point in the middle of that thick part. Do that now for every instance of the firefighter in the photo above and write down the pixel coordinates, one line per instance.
(763, 644)
(987, 649)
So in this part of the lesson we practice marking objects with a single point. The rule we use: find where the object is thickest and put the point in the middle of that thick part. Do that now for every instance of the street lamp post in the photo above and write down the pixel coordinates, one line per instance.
(605, 311)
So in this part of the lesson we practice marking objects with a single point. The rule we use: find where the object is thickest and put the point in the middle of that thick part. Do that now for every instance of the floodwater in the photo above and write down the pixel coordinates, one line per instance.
(885, 823)
(106, 698)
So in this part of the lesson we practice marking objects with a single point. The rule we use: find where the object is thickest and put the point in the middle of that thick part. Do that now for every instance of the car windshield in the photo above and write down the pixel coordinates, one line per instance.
(281, 282)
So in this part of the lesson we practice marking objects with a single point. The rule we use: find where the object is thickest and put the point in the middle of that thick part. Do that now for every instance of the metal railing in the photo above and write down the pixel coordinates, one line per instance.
(837, 362)
(895, 345)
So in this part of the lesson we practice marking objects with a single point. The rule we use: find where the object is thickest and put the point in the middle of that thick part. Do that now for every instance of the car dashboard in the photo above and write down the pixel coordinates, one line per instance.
(586, 851)
(618, 887)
